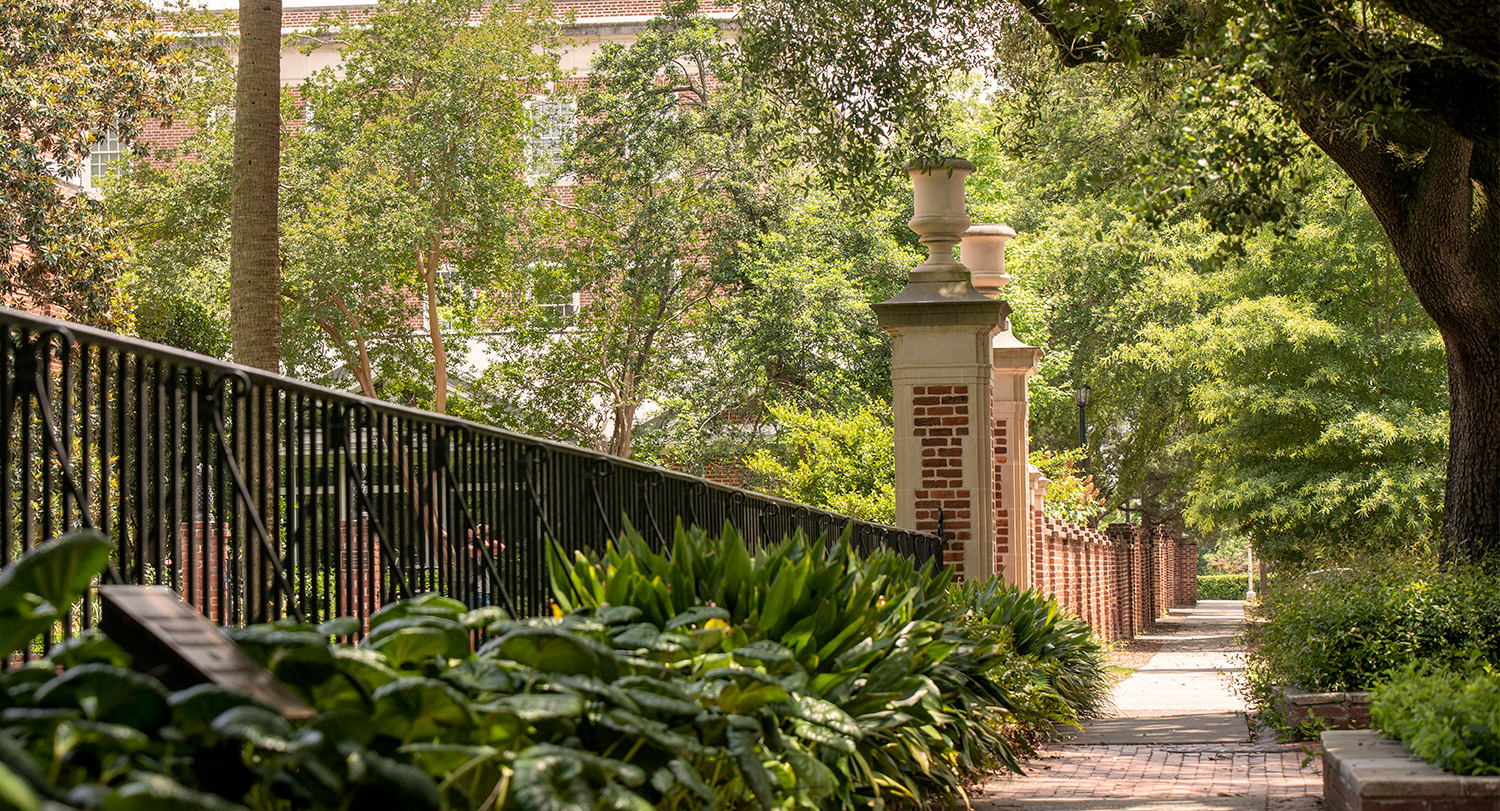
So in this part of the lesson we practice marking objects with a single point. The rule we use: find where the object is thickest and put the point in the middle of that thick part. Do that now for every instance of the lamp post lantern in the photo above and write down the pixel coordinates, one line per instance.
(1081, 397)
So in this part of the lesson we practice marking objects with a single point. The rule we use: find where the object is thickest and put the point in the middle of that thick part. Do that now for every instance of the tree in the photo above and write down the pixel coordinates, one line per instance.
(1387, 91)
(402, 205)
(73, 72)
(793, 328)
(1281, 386)
(254, 239)
(840, 461)
(411, 184)
(667, 182)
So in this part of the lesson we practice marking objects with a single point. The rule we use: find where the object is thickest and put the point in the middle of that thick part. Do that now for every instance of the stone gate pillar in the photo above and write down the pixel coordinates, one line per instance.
(1013, 362)
(940, 329)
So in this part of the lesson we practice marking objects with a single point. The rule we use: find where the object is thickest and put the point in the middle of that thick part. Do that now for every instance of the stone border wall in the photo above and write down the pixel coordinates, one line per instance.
(1327, 710)
(1363, 771)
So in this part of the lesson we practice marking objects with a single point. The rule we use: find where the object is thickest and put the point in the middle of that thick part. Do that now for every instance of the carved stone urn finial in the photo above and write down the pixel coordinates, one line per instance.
(939, 217)
(983, 253)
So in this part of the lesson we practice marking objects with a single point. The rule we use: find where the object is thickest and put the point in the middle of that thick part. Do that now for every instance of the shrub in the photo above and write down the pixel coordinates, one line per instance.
(798, 676)
(1070, 661)
(1072, 495)
(1345, 629)
(1222, 586)
(1448, 716)
(874, 637)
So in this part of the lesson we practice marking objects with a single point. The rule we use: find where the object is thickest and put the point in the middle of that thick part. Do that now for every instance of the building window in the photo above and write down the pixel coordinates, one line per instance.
(106, 152)
(562, 311)
(552, 125)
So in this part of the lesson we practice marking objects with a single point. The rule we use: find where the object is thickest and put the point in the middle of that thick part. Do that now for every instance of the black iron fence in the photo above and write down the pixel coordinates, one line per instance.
(258, 497)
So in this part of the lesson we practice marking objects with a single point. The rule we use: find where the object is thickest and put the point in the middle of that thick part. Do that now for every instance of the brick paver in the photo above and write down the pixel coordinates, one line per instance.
(1154, 772)
(1178, 742)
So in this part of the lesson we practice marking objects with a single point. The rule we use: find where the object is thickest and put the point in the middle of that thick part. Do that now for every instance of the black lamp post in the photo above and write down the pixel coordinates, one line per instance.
(1081, 397)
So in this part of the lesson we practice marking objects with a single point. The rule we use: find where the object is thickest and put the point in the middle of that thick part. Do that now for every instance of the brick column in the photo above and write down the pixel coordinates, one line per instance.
(940, 329)
(360, 575)
(202, 567)
(983, 252)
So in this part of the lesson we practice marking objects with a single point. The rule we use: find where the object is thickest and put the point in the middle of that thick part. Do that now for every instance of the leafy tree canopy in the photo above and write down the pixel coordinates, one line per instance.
(73, 71)
(1396, 94)
(1285, 386)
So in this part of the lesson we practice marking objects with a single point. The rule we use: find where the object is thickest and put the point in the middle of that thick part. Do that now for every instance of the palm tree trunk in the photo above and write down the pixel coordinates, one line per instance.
(254, 257)
(255, 264)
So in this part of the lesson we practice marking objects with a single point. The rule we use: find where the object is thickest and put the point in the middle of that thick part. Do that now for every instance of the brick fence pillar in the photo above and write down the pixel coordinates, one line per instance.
(940, 329)
(1013, 363)
(203, 567)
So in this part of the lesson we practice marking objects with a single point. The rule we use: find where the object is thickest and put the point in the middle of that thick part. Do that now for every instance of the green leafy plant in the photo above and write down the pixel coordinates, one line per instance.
(39, 589)
(1347, 628)
(1039, 630)
(1222, 586)
(1072, 495)
(1448, 716)
(798, 675)
(872, 641)
(844, 462)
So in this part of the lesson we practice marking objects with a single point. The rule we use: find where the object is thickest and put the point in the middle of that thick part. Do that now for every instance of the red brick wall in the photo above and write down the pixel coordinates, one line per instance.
(1117, 580)
(940, 416)
(203, 569)
(998, 439)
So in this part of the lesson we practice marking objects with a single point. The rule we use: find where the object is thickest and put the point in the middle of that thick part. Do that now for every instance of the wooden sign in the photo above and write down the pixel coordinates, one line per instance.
(181, 648)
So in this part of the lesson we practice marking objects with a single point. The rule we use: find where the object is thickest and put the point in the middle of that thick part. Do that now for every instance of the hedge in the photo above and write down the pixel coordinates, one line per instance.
(1222, 586)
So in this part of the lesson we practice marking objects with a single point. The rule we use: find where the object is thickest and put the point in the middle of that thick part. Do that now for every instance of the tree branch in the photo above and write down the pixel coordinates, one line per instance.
(1472, 24)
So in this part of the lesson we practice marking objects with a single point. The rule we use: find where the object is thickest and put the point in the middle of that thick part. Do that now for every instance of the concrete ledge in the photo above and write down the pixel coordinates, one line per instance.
(1364, 771)
(1314, 712)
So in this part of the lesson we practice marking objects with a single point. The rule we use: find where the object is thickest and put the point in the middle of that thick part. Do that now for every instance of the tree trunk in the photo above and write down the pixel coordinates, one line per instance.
(622, 438)
(1443, 222)
(255, 261)
(1471, 499)
(435, 330)
(254, 257)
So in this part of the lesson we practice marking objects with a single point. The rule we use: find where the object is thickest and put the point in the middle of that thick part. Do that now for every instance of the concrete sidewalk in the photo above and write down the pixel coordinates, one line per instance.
(1178, 741)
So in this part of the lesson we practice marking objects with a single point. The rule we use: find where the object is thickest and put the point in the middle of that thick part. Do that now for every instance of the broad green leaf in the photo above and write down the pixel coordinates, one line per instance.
(17, 630)
(388, 783)
(764, 650)
(484, 617)
(59, 571)
(154, 792)
(744, 736)
(826, 713)
(812, 774)
(413, 708)
(340, 626)
(413, 644)
(255, 725)
(533, 707)
(618, 614)
(550, 781)
(553, 651)
(16, 793)
(109, 694)
(823, 736)
(15, 758)
(89, 646)
(697, 615)
(194, 709)
(445, 758)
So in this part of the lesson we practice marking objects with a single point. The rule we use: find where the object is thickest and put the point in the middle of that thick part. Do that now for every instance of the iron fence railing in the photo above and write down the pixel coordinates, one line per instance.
(258, 497)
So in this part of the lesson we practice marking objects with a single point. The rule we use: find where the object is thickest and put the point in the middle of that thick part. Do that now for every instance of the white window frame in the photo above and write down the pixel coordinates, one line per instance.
(554, 119)
(101, 159)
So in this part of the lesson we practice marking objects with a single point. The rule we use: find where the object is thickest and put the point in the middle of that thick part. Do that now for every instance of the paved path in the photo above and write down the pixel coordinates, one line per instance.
(1178, 741)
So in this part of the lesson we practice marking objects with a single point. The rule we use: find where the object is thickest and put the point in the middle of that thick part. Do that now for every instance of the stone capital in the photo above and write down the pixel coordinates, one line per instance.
(913, 308)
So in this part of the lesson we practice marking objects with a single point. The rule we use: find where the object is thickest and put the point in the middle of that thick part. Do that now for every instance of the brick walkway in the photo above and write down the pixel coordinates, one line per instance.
(1179, 742)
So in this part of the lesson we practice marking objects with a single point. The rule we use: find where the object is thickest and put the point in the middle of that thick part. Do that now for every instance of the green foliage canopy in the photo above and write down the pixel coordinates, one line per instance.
(73, 71)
